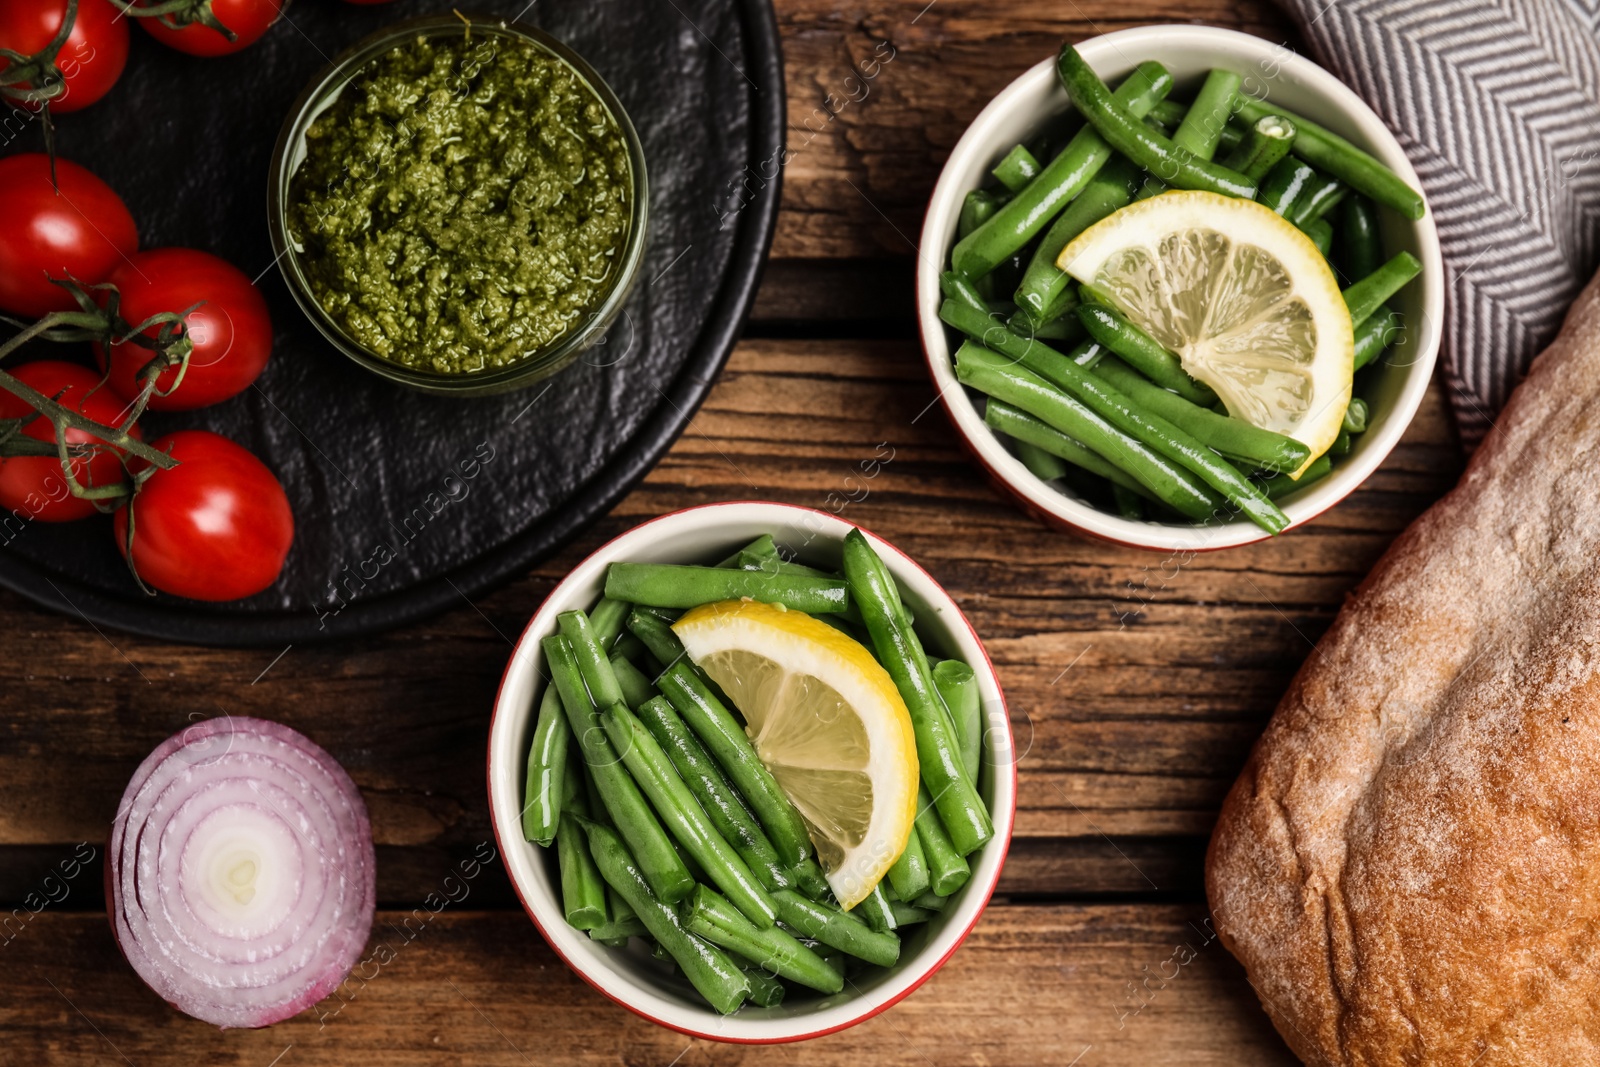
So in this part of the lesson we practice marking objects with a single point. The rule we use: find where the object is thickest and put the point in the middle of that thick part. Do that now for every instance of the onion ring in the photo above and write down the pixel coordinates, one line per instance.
(240, 872)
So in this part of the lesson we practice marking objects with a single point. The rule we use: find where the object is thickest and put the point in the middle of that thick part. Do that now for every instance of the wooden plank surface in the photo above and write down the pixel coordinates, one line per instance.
(1135, 689)
(1033, 985)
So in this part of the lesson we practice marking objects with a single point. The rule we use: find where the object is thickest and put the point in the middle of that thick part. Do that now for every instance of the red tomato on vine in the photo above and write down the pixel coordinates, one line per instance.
(215, 527)
(90, 60)
(83, 230)
(34, 486)
(231, 330)
(195, 29)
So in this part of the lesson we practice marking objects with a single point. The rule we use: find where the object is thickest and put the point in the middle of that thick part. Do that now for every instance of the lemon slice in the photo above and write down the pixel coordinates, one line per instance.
(1241, 295)
(829, 724)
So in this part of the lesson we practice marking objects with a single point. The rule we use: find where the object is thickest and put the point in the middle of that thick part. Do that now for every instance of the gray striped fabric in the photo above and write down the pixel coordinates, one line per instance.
(1497, 102)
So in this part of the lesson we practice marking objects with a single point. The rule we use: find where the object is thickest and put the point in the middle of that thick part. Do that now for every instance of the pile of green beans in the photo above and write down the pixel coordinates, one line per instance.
(666, 828)
(1087, 398)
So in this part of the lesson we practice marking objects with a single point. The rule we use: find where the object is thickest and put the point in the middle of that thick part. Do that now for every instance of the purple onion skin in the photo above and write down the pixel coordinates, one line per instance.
(202, 744)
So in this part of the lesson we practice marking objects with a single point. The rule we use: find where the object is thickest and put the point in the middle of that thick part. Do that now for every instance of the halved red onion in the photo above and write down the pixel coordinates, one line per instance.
(241, 872)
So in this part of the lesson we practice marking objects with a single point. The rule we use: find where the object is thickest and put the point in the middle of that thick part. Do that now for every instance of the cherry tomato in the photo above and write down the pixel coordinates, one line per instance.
(231, 331)
(85, 231)
(92, 57)
(248, 19)
(34, 485)
(215, 527)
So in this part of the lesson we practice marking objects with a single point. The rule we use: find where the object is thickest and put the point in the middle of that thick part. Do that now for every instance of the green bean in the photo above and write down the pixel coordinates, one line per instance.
(909, 914)
(1319, 196)
(931, 901)
(947, 869)
(636, 687)
(958, 686)
(629, 648)
(722, 736)
(1041, 464)
(909, 874)
(1017, 168)
(616, 932)
(1367, 295)
(606, 619)
(652, 769)
(1374, 335)
(938, 751)
(1115, 407)
(668, 877)
(720, 801)
(1358, 244)
(547, 768)
(1022, 426)
(670, 586)
(1267, 142)
(848, 933)
(708, 915)
(1057, 325)
(1044, 284)
(618, 908)
(583, 892)
(655, 633)
(761, 546)
(1321, 233)
(1284, 183)
(1282, 485)
(1168, 112)
(956, 286)
(1231, 437)
(765, 990)
(592, 662)
(1342, 444)
(1129, 505)
(1014, 225)
(876, 912)
(978, 208)
(1355, 416)
(707, 967)
(810, 880)
(1124, 131)
(1202, 125)
(1114, 330)
(1334, 155)
(671, 615)
(1002, 379)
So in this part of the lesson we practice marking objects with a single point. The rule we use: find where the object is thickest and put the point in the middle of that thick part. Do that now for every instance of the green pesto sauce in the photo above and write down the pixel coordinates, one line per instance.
(463, 204)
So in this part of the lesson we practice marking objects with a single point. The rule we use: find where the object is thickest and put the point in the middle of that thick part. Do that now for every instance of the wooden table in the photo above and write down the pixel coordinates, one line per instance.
(1136, 690)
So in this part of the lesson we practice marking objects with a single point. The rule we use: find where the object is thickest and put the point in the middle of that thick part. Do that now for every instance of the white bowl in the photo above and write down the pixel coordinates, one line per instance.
(630, 976)
(1291, 82)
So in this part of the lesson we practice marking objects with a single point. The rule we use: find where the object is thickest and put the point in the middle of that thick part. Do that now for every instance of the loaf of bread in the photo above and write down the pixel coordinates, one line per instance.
(1409, 864)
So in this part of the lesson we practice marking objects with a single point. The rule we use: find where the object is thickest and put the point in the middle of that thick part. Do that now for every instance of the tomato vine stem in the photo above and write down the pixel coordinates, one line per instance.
(176, 14)
(37, 80)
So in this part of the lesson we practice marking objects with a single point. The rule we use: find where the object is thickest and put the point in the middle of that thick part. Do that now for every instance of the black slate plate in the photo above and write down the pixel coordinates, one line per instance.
(387, 530)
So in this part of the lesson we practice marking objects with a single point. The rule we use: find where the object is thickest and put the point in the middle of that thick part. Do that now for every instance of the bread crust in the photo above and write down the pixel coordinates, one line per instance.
(1409, 864)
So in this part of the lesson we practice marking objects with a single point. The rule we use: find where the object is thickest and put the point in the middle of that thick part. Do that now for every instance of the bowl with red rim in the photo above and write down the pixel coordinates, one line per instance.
(1393, 387)
(631, 976)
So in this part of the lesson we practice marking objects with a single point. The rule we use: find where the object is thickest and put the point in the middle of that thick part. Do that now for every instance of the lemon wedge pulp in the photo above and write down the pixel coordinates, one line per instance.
(827, 721)
(1241, 295)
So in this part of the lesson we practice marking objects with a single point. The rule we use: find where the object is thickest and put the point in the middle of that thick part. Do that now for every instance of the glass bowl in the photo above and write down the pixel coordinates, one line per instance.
(290, 152)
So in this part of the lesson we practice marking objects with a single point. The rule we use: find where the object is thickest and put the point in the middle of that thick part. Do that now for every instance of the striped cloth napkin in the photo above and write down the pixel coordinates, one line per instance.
(1497, 102)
